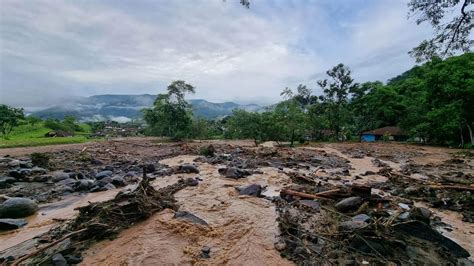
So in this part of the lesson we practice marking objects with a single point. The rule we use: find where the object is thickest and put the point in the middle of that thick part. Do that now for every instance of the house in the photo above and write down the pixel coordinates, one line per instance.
(393, 133)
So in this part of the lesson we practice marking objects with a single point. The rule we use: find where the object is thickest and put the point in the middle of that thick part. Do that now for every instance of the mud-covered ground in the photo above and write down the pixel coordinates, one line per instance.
(323, 204)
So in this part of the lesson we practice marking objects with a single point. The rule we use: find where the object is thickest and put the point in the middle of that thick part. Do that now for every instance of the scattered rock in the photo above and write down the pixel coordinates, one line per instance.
(150, 168)
(18, 208)
(188, 168)
(103, 174)
(351, 225)
(205, 252)
(361, 218)
(348, 204)
(118, 181)
(192, 182)
(421, 214)
(72, 259)
(311, 204)
(250, 190)
(12, 224)
(59, 176)
(59, 260)
(6, 181)
(83, 185)
(189, 217)
(412, 190)
(232, 172)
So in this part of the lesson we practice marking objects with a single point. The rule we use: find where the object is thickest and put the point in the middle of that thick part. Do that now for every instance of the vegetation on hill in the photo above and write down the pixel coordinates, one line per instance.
(433, 103)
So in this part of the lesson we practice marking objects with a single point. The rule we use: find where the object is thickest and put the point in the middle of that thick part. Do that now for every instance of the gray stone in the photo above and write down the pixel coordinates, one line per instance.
(118, 181)
(348, 203)
(251, 190)
(6, 181)
(59, 260)
(404, 206)
(25, 164)
(42, 178)
(361, 218)
(18, 208)
(411, 190)
(67, 182)
(404, 216)
(192, 182)
(421, 214)
(12, 224)
(312, 204)
(188, 168)
(103, 174)
(59, 176)
(189, 217)
(232, 172)
(38, 170)
(14, 163)
(84, 184)
(351, 225)
(71, 259)
(109, 186)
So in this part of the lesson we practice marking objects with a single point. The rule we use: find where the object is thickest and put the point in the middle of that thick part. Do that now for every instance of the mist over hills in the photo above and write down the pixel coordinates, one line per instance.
(123, 108)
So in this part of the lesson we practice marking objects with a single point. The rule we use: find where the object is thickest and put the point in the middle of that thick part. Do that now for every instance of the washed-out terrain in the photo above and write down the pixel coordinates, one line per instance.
(141, 202)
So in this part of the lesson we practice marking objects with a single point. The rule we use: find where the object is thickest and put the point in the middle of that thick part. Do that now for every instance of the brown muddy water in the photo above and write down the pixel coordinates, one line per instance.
(241, 230)
(51, 214)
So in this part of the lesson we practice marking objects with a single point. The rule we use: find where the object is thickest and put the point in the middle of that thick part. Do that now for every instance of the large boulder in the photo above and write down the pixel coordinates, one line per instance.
(59, 176)
(18, 208)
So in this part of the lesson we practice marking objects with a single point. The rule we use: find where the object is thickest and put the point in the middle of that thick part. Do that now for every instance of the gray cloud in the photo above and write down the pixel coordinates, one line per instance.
(52, 49)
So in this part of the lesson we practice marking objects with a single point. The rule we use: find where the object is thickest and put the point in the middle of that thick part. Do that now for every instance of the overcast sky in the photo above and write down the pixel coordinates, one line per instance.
(54, 49)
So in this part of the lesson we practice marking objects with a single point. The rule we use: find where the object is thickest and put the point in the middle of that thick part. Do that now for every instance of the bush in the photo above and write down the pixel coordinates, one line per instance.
(207, 151)
(40, 159)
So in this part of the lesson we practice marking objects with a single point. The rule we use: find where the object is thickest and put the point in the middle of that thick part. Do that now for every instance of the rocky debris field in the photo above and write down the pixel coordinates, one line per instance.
(138, 201)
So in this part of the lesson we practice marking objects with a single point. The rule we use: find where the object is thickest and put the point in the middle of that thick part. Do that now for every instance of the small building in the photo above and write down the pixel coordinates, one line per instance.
(393, 133)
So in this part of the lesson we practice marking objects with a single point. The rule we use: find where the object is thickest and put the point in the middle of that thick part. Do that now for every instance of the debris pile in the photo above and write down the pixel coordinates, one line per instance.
(325, 228)
(101, 220)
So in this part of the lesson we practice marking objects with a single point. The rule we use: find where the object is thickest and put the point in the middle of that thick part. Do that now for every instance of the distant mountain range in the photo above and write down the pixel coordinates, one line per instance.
(123, 108)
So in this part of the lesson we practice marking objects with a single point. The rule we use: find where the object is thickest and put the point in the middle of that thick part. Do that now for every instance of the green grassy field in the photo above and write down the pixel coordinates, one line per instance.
(29, 135)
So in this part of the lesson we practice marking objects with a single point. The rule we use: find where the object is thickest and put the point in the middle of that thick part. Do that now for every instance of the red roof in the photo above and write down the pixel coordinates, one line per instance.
(392, 131)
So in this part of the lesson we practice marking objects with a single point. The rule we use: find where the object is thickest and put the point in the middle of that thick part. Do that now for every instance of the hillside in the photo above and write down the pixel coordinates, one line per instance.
(123, 108)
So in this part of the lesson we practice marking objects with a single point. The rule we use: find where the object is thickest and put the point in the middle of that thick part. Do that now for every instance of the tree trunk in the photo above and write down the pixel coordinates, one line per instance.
(470, 133)
(462, 137)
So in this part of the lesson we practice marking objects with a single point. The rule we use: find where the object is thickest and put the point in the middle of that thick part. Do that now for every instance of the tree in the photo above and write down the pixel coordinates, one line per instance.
(33, 120)
(244, 125)
(9, 118)
(171, 115)
(290, 118)
(450, 37)
(335, 97)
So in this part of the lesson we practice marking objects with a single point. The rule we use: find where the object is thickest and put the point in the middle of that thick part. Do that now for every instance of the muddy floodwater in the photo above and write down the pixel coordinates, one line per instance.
(241, 229)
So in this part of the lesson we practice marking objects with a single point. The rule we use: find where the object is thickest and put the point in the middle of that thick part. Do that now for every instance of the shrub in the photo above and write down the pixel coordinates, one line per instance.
(40, 159)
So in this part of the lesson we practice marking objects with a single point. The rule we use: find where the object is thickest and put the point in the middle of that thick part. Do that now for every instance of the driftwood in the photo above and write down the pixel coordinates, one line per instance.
(471, 188)
(20, 260)
(320, 195)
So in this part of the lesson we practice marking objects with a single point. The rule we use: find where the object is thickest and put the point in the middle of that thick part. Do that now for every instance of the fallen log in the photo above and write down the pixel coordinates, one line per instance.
(471, 188)
(320, 195)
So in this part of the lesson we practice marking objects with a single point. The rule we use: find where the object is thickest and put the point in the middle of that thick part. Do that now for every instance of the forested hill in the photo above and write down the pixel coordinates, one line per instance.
(126, 107)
